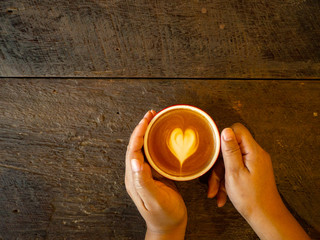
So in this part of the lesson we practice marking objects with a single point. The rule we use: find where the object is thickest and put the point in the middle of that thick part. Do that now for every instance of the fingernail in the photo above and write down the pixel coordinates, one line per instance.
(228, 134)
(146, 114)
(135, 165)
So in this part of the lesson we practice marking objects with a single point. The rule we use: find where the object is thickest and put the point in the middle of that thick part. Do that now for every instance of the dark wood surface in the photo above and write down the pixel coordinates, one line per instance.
(197, 39)
(63, 143)
(63, 139)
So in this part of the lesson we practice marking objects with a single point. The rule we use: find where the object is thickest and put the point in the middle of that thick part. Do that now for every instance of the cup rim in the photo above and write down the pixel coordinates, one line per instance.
(216, 139)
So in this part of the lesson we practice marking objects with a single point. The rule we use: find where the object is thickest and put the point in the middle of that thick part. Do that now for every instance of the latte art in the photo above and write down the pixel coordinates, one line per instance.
(180, 143)
(183, 145)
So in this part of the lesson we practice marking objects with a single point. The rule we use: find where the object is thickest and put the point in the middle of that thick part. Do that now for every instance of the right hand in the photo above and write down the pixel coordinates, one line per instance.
(249, 178)
(251, 186)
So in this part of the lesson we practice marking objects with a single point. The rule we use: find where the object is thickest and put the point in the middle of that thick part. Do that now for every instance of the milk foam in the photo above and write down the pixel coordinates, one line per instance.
(183, 145)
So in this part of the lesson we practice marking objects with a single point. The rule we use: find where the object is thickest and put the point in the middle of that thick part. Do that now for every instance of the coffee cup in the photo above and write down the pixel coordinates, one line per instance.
(182, 142)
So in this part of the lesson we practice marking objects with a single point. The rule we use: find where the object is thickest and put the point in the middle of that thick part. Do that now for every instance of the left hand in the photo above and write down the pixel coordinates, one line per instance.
(158, 201)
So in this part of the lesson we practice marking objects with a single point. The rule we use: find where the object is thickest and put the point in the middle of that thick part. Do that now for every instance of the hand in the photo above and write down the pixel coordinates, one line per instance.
(158, 201)
(217, 184)
(251, 186)
(249, 178)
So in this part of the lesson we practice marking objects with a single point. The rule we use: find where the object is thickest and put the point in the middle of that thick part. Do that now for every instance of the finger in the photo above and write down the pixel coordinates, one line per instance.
(136, 139)
(216, 176)
(230, 148)
(244, 138)
(248, 145)
(134, 151)
(219, 168)
(214, 183)
(222, 195)
(153, 112)
(144, 184)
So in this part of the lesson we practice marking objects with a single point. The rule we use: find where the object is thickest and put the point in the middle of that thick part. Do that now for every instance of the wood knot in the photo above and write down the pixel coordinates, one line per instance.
(11, 10)
(203, 10)
(15, 211)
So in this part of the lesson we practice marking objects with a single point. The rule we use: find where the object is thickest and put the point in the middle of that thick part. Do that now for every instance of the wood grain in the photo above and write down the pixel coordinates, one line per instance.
(63, 143)
(204, 39)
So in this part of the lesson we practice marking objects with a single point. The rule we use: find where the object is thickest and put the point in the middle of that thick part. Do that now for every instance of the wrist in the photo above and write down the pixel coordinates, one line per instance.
(274, 221)
(176, 232)
(264, 220)
(267, 210)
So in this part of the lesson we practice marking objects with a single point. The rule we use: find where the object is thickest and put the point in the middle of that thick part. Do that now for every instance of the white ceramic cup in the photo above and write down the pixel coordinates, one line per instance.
(216, 138)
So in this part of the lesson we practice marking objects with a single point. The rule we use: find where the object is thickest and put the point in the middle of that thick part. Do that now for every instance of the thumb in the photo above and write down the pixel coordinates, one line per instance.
(144, 183)
(230, 148)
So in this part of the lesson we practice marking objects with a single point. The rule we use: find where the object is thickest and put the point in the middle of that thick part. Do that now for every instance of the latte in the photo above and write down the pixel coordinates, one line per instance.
(182, 142)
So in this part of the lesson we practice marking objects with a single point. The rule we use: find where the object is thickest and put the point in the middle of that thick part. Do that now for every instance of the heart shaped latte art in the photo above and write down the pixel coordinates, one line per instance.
(183, 145)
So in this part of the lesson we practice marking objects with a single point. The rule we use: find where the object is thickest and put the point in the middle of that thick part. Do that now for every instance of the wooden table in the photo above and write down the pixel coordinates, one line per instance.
(77, 76)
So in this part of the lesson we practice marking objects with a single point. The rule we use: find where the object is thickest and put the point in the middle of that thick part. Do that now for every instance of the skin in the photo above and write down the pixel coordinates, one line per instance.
(245, 175)
(251, 186)
(156, 198)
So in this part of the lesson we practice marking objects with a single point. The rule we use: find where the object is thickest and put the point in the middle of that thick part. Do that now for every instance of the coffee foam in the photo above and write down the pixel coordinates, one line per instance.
(183, 144)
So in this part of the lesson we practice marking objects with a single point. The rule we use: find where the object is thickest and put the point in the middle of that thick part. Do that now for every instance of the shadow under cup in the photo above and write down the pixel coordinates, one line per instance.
(182, 142)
